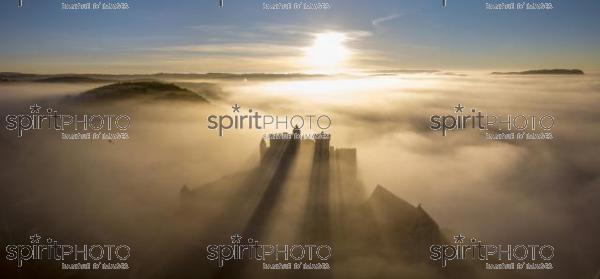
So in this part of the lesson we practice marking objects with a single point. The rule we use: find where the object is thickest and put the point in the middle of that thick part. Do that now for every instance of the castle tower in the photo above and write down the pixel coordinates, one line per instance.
(263, 149)
(296, 134)
(322, 144)
(346, 158)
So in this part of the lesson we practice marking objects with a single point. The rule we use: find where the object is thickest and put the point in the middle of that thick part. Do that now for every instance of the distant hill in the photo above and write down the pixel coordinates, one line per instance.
(140, 90)
(256, 76)
(543, 72)
(71, 79)
(59, 78)
(13, 77)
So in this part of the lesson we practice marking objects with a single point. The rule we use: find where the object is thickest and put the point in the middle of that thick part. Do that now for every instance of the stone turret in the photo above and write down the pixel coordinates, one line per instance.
(296, 134)
(262, 149)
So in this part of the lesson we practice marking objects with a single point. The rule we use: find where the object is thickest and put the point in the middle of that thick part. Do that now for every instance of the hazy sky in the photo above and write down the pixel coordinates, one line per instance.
(198, 36)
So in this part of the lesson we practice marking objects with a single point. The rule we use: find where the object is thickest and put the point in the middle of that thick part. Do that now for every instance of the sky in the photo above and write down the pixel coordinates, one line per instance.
(198, 36)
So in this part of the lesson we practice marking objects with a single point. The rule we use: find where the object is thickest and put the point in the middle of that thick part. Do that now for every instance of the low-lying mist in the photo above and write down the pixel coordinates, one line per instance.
(510, 191)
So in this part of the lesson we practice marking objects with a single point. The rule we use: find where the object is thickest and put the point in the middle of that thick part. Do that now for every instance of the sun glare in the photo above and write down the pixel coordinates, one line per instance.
(328, 52)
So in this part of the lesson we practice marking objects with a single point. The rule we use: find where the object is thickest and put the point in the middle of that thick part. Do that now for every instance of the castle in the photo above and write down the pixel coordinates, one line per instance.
(306, 191)
(341, 158)
(321, 182)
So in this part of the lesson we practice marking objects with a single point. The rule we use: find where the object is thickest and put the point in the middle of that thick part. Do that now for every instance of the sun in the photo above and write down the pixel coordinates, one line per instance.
(328, 53)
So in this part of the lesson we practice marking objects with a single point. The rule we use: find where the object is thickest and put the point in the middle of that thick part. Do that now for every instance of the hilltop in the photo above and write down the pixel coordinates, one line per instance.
(543, 72)
(140, 90)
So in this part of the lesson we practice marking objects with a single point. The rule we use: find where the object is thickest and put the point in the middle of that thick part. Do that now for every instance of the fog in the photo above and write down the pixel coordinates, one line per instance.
(512, 191)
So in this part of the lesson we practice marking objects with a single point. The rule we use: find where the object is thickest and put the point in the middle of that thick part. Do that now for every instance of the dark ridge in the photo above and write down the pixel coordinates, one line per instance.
(13, 76)
(544, 72)
(72, 79)
(147, 90)
(69, 77)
